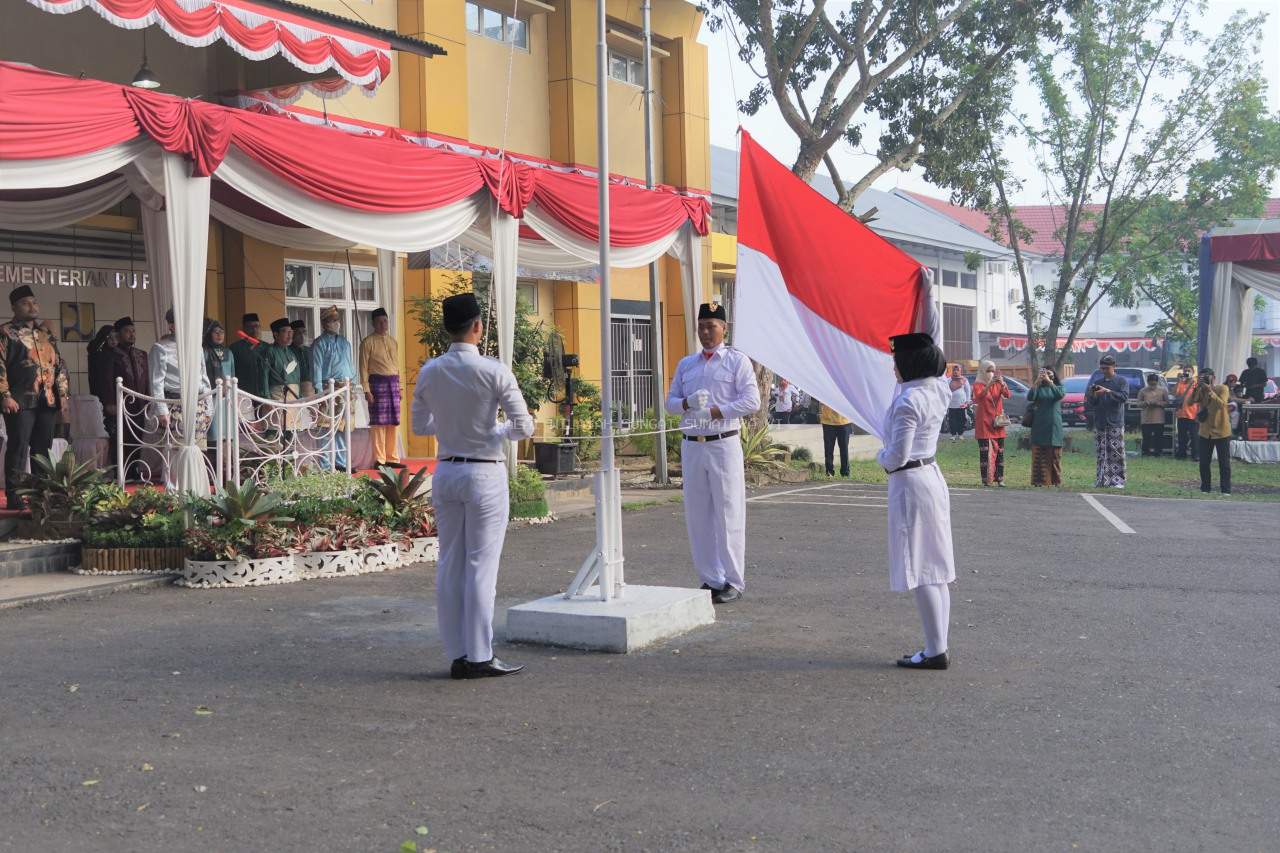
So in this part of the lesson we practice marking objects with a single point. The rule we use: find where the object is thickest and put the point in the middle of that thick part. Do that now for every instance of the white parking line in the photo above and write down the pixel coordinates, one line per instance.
(793, 502)
(1107, 514)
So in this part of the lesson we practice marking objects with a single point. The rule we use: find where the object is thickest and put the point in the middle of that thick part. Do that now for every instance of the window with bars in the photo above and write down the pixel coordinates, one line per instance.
(957, 331)
(311, 287)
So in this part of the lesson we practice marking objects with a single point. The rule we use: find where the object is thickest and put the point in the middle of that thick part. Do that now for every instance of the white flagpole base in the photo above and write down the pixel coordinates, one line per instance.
(647, 615)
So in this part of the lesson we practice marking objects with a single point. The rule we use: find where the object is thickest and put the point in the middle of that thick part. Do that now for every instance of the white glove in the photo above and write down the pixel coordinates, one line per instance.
(699, 401)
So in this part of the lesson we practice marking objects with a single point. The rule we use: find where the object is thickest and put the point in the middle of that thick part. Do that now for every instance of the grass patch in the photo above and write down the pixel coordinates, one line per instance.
(1164, 477)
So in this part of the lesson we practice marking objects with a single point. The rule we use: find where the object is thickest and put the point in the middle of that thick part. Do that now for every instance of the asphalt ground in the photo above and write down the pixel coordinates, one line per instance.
(1111, 691)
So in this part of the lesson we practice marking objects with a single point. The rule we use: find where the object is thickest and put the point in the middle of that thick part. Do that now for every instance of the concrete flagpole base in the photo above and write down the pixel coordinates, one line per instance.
(643, 616)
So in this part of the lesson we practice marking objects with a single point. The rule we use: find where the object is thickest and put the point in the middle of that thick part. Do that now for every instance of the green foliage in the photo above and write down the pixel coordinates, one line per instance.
(917, 73)
(55, 492)
(801, 454)
(529, 343)
(245, 521)
(147, 518)
(759, 451)
(526, 485)
(645, 445)
(406, 497)
(313, 484)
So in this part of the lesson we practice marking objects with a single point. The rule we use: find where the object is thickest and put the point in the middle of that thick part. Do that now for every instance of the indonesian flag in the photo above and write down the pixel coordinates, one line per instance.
(819, 294)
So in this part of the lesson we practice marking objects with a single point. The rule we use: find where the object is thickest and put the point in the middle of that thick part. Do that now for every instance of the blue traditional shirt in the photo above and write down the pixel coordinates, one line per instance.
(331, 359)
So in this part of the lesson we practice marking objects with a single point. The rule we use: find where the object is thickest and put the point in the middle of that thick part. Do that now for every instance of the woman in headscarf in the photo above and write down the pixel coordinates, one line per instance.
(989, 392)
(921, 557)
(219, 363)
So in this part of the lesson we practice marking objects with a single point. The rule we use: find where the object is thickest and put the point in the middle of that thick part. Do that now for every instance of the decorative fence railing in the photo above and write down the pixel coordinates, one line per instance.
(246, 437)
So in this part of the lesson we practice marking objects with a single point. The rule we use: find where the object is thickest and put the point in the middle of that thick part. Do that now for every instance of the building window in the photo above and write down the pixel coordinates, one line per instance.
(625, 68)
(724, 218)
(950, 278)
(497, 26)
(527, 292)
(310, 287)
(969, 280)
(957, 332)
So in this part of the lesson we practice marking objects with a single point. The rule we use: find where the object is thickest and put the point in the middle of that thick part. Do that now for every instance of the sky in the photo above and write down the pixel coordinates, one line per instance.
(729, 76)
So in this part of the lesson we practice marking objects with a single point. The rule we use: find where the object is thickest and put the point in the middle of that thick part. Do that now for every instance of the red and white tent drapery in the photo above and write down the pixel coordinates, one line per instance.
(255, 32)
(1017, 343)
(1237, 262)
(288, 183)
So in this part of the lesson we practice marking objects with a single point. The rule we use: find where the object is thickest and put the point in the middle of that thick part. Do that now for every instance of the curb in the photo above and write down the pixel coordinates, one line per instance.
(88, 592)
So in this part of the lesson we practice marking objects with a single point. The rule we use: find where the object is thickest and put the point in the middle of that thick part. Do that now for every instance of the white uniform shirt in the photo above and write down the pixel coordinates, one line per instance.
(727, 376)
(786, 399)
(457, 398)
(915, 419)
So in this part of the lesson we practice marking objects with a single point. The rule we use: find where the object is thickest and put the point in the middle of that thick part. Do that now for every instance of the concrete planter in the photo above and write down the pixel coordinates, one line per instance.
(378, 558)
(129, 560)
(242, 572)
(328, 564)
(425, 549)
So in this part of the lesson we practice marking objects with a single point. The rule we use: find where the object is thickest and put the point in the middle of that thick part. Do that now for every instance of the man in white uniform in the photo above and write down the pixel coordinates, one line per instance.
(457, 399)
(921, 557)
(711, 391)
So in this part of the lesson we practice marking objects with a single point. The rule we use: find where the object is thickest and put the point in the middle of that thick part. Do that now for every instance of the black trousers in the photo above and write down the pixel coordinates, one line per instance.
(831, 436)
(987, 446)
(1152, 436)
(955, 421)
(1188, 435)
(1223, 448)
(30, 432)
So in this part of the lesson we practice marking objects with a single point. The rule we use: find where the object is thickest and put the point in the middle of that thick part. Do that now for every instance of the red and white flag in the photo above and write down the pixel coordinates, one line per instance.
(818, 293)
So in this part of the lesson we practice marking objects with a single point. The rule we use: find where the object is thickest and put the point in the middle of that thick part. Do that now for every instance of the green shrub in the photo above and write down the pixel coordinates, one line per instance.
(646, 444)
(147, 518)
(313, 484)
(528, 494)
(801, 454)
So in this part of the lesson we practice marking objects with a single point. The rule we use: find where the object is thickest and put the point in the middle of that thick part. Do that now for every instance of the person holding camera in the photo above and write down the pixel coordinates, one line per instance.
(990, 423)
(1106, 399)
(1045, 414)
(1215, 430)
(1188, 426)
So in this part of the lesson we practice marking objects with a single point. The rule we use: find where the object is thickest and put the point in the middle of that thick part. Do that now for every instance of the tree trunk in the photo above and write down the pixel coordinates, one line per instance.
(764, 382)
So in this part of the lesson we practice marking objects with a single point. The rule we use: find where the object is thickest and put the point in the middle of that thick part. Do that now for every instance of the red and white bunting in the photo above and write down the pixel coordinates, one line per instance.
(1017, 343)
(255, 32)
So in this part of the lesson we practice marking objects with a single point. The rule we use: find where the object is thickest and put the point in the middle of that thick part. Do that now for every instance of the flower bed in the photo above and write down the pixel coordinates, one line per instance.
(203, 574)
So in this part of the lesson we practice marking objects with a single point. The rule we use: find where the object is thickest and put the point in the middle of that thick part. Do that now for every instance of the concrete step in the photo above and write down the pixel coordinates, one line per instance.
(20, 559)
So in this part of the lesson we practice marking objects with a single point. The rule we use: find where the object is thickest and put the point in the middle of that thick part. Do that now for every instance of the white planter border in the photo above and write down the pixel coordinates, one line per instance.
(204, 574)
(423, 549)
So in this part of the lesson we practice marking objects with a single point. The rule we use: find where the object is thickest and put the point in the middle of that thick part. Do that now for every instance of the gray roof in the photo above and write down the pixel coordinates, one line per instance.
(898, 217)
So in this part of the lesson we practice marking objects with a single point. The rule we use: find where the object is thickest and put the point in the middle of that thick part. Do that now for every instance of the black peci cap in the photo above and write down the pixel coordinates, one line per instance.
(278, 325)
(19, 293)
(459, 310)
(910, 341)
(712, 311)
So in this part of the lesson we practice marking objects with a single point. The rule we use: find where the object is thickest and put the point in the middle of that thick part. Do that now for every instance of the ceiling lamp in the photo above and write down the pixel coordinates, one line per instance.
(144, 79)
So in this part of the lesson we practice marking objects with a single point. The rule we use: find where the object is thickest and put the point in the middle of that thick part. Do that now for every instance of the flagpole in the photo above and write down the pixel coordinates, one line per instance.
(655, 310)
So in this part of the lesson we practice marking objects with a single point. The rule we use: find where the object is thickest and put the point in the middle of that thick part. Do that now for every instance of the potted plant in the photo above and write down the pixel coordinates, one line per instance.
(55, 493)
(126, 533)
(411, 519)
(342, 544)
(239, 538)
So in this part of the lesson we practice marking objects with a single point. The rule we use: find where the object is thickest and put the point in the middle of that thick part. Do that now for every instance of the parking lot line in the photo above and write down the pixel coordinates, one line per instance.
(1107, 514)
(794, 501)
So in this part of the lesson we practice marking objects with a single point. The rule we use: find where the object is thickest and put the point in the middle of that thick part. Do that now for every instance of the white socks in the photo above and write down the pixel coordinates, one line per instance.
(933, 600)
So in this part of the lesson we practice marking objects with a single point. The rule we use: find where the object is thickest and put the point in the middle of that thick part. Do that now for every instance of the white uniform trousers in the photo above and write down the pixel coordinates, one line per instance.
(472, 509)
(715, 509)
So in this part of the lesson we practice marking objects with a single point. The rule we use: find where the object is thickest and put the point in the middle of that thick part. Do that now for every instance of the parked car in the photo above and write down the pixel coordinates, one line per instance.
(1073, 403)
(1016, 406)
(1136, 377)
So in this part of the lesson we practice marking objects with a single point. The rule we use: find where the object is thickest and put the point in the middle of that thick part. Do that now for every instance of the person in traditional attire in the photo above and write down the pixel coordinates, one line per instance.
(380, 375)
(247, 351)
(921, 556)
(1045, 405)
(1105, 398)
(303, 352)
(166, 382)
(1188, 425)
(1214, 402)
(34, 388)
(711, 391)
(456, 399)
(331, 361)
(101, 354)
(989, 422)
(129, 364)
(219, 363)
(284, 372)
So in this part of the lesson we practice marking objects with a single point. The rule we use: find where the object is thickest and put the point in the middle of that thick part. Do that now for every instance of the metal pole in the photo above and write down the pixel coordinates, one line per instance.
(122, 464)
(655, 316)
(606, 319)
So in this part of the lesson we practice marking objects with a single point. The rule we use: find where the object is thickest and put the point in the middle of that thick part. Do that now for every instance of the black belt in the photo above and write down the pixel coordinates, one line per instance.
(730, 434)
(465, 461)
(915, 463)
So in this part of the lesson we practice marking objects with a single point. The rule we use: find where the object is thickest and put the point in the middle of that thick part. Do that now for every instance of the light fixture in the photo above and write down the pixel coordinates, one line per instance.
(144, 79)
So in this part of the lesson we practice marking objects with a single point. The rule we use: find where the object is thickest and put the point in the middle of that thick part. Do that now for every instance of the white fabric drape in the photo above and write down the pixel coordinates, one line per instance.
(387, 269)
(688, 251)
(573, 244)
(535, 255)
(187, 221)
(64, 210)
(155, 237)
(277, 235)
(399, 232)
(68, 171)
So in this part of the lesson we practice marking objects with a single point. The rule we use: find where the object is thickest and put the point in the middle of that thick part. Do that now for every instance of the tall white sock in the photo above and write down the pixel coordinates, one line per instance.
(933, 600)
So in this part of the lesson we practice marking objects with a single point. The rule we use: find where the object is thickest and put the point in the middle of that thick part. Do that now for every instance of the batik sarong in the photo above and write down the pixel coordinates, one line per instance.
(1110, 447)
(385, 409)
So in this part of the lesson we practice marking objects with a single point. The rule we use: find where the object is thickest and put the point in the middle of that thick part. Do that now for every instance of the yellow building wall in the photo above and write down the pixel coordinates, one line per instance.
(528, 128)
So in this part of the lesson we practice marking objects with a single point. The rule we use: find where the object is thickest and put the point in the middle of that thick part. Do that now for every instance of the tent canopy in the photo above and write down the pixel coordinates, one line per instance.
(1236, 263)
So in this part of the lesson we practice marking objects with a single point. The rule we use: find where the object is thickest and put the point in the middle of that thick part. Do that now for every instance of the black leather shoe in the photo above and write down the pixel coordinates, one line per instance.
(708, 586)
(458, 669)
(724, 596)
(936, 662)
(492, 668)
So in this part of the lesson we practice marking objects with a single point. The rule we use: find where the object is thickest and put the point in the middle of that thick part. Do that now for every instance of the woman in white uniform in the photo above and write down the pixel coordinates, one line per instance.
(921, 557)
